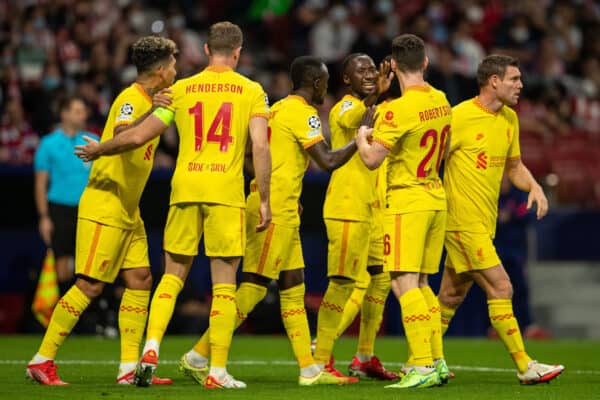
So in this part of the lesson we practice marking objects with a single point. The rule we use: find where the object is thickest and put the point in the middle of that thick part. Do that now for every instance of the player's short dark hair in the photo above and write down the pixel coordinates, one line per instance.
(494, 64)
(65, 102)
(408, 51)
(224, 37)
(150, 51)
(305, 70)
(349, 59)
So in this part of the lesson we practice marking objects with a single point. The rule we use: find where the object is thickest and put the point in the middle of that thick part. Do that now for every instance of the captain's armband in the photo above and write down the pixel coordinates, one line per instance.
(164, 114)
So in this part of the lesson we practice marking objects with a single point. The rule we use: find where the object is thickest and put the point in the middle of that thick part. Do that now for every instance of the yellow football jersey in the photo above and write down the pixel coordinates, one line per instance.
(380, 186)
(351, 189)
(294, 126)
(481, 143)
(116, 183)
(212, 110)
(380, 182)
(414, 127)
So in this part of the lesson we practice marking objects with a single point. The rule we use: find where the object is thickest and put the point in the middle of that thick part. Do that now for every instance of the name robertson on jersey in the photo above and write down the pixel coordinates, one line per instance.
(433, 113)
(214, 88)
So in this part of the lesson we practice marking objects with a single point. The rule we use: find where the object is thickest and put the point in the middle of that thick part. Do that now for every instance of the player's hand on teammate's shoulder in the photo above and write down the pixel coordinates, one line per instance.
(162, 98)
(537, 196)
(89, 151)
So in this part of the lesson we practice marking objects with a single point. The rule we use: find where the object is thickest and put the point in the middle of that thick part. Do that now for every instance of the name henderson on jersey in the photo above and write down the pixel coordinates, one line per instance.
(214, 88)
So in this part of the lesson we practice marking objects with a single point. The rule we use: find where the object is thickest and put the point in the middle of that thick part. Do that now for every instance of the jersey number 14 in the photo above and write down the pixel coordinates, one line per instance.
(221, 120)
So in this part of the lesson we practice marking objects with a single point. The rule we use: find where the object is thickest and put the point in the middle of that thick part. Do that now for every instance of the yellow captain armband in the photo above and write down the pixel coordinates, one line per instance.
(164, 114)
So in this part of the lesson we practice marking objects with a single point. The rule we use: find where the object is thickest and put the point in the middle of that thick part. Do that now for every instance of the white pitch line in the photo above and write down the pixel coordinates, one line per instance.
(293, 363)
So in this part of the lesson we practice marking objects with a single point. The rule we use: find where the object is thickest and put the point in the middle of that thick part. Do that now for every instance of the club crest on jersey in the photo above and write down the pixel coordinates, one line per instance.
(389, 115)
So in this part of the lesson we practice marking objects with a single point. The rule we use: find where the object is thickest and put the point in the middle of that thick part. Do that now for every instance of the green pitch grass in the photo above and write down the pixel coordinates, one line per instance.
(482, 367)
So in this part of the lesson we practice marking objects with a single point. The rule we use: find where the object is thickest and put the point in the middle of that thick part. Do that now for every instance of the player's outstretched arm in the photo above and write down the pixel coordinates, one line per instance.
(261, 157)
(521, 177)
(129, 139)
(162, 98)
(372, 154)
(328, 159)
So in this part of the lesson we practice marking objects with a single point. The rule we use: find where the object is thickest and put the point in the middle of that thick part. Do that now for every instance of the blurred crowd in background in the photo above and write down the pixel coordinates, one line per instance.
(53, 47)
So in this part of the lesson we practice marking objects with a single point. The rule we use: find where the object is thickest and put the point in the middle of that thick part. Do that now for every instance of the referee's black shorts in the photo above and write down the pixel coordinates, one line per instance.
(64, 219)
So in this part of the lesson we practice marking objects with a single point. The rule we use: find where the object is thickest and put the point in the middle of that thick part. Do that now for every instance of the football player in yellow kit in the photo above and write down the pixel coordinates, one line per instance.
(111, 238)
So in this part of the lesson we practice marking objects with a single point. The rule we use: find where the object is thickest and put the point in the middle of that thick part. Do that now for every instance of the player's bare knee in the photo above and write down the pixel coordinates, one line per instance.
(138, 279)
(501, 290)
(90, 287)
(451, 297)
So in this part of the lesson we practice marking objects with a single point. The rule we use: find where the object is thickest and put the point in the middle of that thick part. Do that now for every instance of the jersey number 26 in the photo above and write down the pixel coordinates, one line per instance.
(430, 139)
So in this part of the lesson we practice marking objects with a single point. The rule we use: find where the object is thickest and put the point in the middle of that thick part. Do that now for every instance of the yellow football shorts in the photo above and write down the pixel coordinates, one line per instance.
(413, 242)
(376, 240)
(223, 227)
(375, 253)
(348, 247)
(101, 251)
(276, 249)
(466, 251)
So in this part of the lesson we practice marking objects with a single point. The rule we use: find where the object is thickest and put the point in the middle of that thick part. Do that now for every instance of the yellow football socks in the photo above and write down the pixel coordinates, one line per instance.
(221, 323)
(162, 306)
(133, 313)
(417, 326)
(65, 316)
(351, 309)
(372, 312)
(446, 314)
(330, 315)
(505, 324)
(247, 297)
(437, 348)
(293, 316)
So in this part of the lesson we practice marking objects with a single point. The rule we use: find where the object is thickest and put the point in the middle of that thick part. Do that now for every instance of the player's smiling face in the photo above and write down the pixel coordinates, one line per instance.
(509, 88)
(362, 76)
